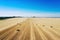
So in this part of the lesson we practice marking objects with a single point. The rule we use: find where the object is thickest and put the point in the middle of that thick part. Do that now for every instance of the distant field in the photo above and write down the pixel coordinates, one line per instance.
(30, 29)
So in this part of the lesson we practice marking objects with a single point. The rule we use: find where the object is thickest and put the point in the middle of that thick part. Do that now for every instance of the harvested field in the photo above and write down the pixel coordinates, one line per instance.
(30, 29)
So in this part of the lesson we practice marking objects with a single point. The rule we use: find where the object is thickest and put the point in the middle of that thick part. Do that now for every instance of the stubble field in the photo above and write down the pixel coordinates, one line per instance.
(30, 29)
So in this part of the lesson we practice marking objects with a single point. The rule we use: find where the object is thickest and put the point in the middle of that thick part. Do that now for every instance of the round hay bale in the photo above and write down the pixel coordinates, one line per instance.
(43, 25)
(18, 30)
(51, 26)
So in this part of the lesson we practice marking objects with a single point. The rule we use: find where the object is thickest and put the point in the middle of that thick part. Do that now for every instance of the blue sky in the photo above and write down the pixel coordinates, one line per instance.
(43, 8)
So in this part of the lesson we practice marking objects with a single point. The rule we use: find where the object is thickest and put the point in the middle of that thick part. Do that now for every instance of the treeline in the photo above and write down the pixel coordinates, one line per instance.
(1, 18)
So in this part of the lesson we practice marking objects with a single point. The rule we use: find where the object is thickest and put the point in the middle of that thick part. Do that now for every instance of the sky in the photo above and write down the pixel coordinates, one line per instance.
(42, 8)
